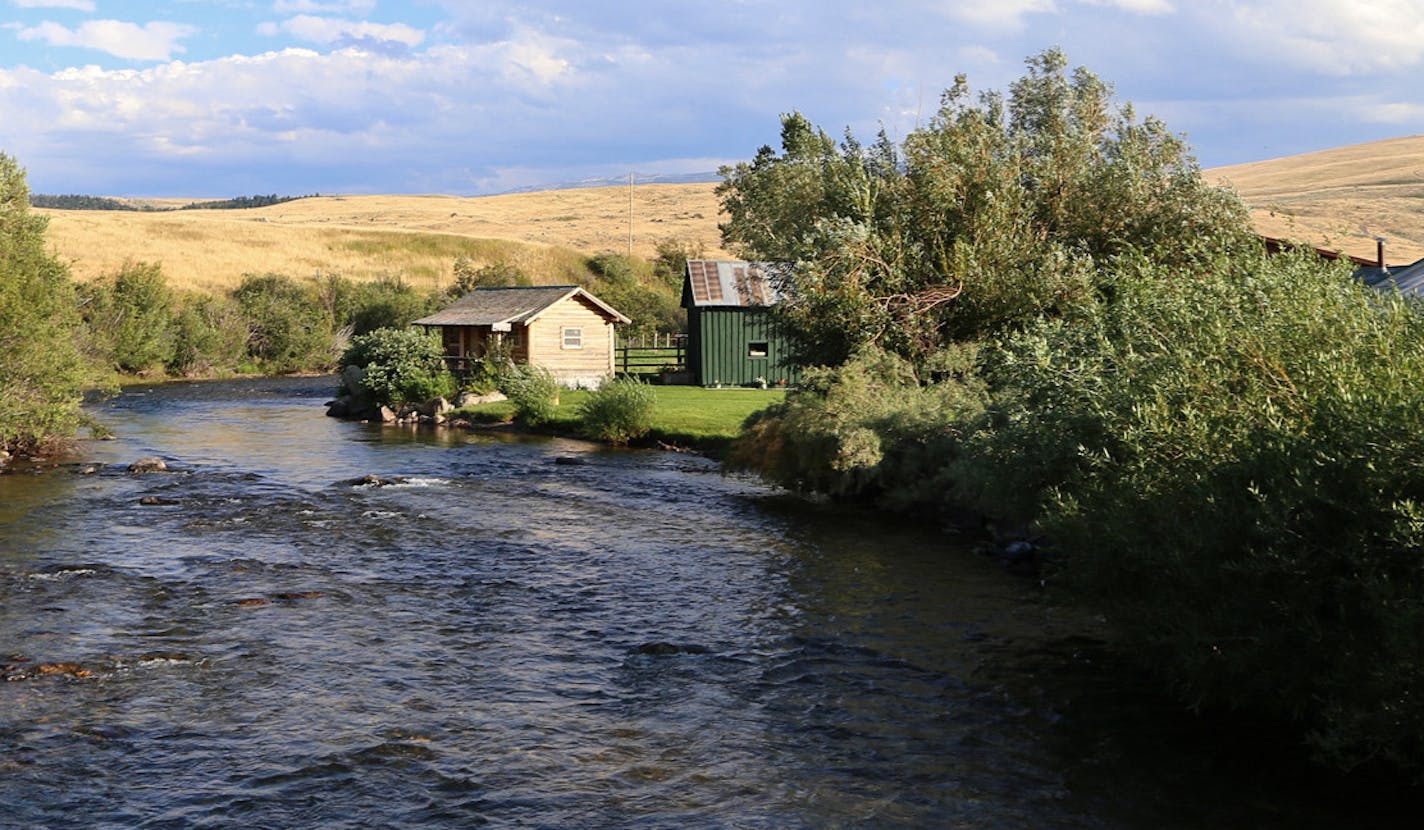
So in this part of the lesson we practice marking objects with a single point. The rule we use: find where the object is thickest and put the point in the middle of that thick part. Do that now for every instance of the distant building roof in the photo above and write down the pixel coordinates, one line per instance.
(731, 283)
(505, 306)
(1409, 279)
(1275, 245)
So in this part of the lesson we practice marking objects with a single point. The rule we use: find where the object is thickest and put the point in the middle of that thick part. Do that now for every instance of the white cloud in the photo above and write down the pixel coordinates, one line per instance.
(1000, 14)
(328, 30)
(1406, 113)
(1333, 37)
(77, 5)
(503, 93)
(1015, 15)
(149, 42)
(536, 57)
(1137, 6)
(280, 96)
(319, 7)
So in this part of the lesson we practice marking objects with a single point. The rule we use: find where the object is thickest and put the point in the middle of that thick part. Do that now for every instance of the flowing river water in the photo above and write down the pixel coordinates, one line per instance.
(535, 632)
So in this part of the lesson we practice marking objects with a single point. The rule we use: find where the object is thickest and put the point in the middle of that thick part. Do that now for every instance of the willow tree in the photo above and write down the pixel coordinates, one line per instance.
(40, 370)
(997, 211)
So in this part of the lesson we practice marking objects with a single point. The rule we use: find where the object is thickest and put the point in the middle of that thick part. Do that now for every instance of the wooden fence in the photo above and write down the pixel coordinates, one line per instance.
(652, 355)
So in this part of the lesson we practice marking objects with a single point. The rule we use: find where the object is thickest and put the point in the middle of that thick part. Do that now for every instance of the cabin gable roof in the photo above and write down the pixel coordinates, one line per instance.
(500, 306)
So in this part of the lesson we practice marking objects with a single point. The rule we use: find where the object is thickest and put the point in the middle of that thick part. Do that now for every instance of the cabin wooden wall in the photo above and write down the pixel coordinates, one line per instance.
(588, 365)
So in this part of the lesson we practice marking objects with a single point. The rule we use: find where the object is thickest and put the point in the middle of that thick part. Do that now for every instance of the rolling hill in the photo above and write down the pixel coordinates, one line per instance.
(1340, 199)
(363, 237)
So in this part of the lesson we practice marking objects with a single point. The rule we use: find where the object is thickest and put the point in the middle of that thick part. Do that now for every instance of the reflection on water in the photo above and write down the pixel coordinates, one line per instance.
(538, 632)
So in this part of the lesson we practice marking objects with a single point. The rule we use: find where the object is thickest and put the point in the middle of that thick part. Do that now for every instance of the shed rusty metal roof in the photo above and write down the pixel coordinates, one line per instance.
(490, 306)
(731, 283)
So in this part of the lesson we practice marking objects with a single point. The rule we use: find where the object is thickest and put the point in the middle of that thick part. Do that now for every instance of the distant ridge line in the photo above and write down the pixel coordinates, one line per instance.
(705, 177)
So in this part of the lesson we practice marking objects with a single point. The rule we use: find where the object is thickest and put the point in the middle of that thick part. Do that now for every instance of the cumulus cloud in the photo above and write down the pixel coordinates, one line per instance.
(1015, 14)
(297, 103)
(1136, 6)
(1391, 112)
(329, 30)
(506, 93)
(149, 42)
(1332, 37)
(1000, 14)
(320, 7)
(77, 5)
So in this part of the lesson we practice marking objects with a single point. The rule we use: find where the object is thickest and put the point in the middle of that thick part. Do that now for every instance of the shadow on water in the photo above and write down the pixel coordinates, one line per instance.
(512, 631)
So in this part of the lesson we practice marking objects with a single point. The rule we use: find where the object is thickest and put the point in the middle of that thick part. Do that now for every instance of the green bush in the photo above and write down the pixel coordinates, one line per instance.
(387, 303)
(209, 335)
(484, 374)
(400, 365)
(632, 286)
(652, 310)
(468, 277)
(129, 318)
(1233, 465)
(533, 390)
(670, 265)
(619, 412)
(289, 329)
(865, 430)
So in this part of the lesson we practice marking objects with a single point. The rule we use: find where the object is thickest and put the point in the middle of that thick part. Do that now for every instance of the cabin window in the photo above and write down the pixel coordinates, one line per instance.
(573, 338)
(756, 348)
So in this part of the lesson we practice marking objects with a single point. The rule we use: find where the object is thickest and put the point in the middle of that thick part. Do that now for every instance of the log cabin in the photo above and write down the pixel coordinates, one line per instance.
(562, 328)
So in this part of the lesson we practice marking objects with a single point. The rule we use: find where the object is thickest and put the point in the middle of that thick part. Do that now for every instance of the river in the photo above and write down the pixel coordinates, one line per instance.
(536, 632)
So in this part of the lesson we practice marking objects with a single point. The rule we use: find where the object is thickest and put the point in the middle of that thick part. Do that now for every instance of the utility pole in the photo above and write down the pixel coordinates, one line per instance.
(630, 215)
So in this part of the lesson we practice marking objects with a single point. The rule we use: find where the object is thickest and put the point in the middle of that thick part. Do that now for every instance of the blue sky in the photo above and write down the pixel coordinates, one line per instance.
(209, 98)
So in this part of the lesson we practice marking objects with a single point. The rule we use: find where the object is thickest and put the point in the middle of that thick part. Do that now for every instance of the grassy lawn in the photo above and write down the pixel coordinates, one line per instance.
(688, 416)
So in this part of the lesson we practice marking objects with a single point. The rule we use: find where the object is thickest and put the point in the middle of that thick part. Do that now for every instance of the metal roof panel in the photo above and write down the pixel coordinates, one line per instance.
(733, 283)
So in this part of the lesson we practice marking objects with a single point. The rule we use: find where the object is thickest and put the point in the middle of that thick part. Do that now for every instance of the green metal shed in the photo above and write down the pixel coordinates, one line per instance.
(732, 335)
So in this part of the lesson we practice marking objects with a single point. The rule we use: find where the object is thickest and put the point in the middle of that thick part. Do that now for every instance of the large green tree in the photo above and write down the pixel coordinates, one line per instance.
(997, 211)
(40, 370)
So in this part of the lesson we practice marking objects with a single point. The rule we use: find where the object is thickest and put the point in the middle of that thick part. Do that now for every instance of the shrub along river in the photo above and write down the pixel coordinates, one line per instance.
(516, 631)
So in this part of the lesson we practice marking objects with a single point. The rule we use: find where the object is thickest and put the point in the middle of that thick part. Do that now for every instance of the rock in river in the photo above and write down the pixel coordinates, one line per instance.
(373, 480)
(156, 500)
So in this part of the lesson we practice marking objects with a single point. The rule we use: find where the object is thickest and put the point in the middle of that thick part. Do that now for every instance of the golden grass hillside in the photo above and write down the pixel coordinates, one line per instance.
(547, 234)
(1340, 199)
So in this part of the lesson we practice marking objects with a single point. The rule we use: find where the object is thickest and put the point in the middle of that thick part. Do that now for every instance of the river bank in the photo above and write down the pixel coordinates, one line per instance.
(686, 418)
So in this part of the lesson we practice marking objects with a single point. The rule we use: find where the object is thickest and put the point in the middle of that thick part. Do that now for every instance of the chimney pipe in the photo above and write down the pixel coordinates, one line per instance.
(1379, 251)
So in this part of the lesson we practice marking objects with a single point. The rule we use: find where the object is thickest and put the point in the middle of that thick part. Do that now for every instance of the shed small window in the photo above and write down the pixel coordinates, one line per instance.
(756, 348)
(573, 338)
